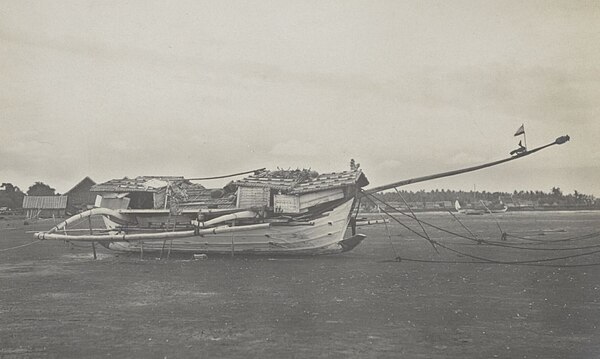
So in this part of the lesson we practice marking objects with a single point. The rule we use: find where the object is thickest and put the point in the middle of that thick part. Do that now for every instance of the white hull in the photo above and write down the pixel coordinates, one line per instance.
(324, 236)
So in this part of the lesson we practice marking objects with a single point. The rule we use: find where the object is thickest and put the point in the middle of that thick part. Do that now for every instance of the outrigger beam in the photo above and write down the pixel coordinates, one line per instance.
(89, 213)
(149, 236)
(558, 141)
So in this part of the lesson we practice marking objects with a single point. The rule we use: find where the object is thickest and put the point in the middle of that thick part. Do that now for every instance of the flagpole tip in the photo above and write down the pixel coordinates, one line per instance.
(562, 139)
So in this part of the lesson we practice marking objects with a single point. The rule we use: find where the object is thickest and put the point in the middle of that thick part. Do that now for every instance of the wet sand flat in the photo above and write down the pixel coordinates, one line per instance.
(57, 302)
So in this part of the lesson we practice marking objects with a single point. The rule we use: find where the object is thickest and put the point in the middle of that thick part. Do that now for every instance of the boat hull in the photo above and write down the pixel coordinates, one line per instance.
(324, 235)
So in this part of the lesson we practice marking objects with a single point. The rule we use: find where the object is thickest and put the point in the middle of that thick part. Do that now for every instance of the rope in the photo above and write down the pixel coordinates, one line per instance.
(21, 246)
(495, 243)
(488, 260)
(415, 216)
(492, 214)
(389, 236)
(465, 227)
(412, 217)
(395, 219)
(516, 246)
(482, 262)
(225, 176)
(517, 262)
(585, 236)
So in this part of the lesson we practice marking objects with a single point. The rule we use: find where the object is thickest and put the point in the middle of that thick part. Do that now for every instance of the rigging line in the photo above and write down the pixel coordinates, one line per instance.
(414, 215)
(537, 243)
(21, 246)
(518, 262)
(495, 243)
(585, 236)
(504, 245)
(225, 176)
(465, 227)
(397, 221)
(491, 243)
(363, 193)
(492, 214)
(389, 235)
(462, 236)
(481, 262)
(427, 223)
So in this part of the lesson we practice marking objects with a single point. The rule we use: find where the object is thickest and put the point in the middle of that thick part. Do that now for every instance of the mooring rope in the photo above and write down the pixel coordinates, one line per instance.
(517, 262)
(398, 221)
(465, 227)
(415, 216)
(495, 219)
(403, 259)
(576, 238)
(225, 176)
(371, 197)
(493, 243)
(387, 229)
(21, 246)
(489, 242)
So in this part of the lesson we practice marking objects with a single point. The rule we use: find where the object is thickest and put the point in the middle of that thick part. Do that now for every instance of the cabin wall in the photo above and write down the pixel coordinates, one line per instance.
(159, 198)
(314, 198)
(111, 201)
(285, 203)
(253, 197)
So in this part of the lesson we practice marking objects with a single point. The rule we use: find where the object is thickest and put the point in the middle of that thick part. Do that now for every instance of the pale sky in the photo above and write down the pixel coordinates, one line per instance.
(109, 89)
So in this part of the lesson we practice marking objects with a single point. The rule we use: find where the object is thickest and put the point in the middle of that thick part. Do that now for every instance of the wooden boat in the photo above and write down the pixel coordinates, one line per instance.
(283, 212)
(479, 210)
(498, 210)
(468, 211)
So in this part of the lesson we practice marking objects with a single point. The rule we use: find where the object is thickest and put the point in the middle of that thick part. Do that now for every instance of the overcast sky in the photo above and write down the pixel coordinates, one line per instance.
(109, 89)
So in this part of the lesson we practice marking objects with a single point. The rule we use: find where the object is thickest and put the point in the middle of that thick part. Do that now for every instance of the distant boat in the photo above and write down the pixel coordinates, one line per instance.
(468, 211)
(499, 210)
(293, 212)
(479, 211)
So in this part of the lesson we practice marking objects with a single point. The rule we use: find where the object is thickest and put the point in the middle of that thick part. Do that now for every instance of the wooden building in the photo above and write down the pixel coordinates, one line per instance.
(45, 206)
(80, 197)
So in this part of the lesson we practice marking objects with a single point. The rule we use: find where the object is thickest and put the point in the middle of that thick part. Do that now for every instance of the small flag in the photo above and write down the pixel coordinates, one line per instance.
(520, 131)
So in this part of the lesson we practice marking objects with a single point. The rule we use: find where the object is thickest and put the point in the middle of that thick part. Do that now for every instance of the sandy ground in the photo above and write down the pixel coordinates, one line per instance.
(58, 302)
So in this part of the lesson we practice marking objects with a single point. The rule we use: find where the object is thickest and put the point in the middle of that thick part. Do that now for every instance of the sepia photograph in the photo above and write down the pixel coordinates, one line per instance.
(300, 179)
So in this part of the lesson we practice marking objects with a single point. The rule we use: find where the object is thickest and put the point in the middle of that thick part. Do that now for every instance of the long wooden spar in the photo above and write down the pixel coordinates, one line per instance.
(558, 141)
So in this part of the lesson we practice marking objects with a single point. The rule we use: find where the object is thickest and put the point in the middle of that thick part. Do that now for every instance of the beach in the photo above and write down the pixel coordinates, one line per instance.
(56, 301)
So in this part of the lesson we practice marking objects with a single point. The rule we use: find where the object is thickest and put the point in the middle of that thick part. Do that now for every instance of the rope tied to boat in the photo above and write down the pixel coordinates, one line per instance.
(20, 246)
(256, 171)
(484, 260)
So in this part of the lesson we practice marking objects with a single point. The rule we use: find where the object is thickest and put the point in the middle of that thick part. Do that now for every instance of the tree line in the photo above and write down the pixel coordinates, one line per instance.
(554, 197)
(12, 197)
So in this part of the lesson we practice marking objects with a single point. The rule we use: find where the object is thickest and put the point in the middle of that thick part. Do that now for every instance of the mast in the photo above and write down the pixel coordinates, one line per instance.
(558, 141)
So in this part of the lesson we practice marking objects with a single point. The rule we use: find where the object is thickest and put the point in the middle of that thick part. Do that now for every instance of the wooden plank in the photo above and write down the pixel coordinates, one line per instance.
(253, 197)
(314, 198)
(283, 203)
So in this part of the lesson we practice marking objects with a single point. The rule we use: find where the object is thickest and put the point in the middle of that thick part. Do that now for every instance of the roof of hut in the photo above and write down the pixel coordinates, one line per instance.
(44, 202)
(303, 181)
